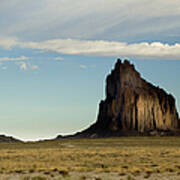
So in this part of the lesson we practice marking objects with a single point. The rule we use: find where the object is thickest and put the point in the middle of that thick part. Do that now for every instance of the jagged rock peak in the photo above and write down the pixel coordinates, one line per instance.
(124, 74)
(133, 106)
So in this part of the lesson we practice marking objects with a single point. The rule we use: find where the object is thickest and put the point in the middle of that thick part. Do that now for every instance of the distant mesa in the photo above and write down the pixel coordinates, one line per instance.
(8, 139)
(132, 107)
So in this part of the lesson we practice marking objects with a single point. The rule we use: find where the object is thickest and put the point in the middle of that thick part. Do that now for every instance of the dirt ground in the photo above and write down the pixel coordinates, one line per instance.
(89, 176)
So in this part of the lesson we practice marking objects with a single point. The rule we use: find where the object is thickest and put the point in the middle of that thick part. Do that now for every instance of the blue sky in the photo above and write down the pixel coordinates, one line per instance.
(55, 55)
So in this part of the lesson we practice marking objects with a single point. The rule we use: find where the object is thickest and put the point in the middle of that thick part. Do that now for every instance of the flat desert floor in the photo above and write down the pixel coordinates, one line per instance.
(92, 159)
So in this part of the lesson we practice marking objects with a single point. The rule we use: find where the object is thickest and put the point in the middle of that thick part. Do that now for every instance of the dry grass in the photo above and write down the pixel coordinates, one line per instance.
(125, 156)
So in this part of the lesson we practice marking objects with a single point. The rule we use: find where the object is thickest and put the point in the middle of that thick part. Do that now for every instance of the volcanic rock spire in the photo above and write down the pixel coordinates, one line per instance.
(133, 107)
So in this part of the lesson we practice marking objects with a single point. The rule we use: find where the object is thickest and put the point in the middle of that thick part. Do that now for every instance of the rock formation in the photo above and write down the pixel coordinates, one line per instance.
(133, 107)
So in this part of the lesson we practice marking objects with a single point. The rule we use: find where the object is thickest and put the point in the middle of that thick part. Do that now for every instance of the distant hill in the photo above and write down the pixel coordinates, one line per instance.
(4, 138)
(132, 106)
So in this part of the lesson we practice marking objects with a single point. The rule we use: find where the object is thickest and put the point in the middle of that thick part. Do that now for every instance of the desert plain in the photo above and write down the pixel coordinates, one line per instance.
(92, 159)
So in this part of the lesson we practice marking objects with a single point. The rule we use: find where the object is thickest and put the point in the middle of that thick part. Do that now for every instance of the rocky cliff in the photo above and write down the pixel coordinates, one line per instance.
(133, 107)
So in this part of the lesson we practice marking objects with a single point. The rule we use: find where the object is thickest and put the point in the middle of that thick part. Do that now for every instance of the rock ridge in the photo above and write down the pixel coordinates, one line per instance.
(133, 106)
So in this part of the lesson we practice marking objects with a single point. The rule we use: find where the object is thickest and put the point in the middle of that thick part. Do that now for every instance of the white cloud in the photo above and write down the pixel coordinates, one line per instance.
(22, 65)
(21, 58)
(59, 58)
(83, 66)
(18, 61)
(144, 50)
(26, 66)
(8, 42)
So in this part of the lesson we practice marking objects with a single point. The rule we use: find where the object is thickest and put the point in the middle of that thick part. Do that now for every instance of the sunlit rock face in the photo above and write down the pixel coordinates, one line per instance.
(133, 107)
(132, 104)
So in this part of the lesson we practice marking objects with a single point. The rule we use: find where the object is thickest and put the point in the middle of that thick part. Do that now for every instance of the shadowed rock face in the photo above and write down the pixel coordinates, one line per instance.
(132, 104)
(133, 107)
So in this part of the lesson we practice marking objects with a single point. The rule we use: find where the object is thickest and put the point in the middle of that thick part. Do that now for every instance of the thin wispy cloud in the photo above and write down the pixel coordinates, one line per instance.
(26, 66)
(22, 65)
(8, 42)
(83, 66)
(90, 19)
(21, 58)
(59, 58)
